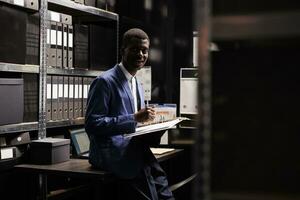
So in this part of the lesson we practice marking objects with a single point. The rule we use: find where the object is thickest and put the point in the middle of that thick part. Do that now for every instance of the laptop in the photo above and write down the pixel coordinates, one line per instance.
(81, 142)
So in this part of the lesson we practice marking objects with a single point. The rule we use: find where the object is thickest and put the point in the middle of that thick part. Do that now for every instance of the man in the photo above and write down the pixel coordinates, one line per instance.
(115, 105)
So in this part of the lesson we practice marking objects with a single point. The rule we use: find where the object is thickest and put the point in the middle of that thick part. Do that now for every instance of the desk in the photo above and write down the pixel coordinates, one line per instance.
(75, 168)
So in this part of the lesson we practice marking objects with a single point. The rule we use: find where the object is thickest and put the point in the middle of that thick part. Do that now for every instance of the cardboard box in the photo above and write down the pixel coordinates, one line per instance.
(49, 150)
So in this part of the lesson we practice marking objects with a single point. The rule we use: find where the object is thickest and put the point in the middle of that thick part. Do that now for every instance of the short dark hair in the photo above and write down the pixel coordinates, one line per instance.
(133, 33)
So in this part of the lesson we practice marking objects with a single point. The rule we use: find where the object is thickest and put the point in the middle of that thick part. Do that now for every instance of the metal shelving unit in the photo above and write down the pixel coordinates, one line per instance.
(69, 122)
(75, 9)
(80, 13)
(11, 67)
(11, 128)
(73, 72)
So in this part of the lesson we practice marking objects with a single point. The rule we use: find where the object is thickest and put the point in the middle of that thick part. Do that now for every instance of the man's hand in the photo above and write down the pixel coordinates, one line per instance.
(145, 114)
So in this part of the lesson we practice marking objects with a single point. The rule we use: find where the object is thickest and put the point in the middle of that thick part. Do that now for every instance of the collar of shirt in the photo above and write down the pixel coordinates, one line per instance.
(132, 85)
(126, 73)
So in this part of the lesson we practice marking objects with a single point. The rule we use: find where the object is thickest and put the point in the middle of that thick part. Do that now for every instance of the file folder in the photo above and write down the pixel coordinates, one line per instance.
(80, 91)
(86, 82)
(66, 20)
(66, 98)
(70, 46)
(54, 98)
(59, 45)
(65, 46)
(71, 97)
(48, 98)
(60, 97)
(48, 46)
(76, 97)
(52, 50)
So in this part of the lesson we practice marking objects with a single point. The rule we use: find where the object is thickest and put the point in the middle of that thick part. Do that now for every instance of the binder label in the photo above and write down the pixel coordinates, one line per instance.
(48, 36)
(7, 153)
(65, 39)
(70, 40)
(19, 2)
(48, 91)
(85, 91)
(59, 38)
(76, 91)
(60, 90)
(80, 91)
(53, 37)
(66, 91)
(54, 94)
(71, 91)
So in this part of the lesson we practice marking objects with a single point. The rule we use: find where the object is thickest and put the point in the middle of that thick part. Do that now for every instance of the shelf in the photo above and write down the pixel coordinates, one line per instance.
(10, 67)
(183, 142)
(54, 124)
(11, 128)
(76, 9)
(23, 4)
(73, 72)
(258, 26)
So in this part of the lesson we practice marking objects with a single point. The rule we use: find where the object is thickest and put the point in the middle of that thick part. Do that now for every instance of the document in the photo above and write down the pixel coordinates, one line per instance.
(155, 127)
(160, 151)
(6, 153)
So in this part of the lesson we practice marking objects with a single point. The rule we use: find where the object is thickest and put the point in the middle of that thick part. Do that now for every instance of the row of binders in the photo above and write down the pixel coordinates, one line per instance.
(66, 97)
(60, 41)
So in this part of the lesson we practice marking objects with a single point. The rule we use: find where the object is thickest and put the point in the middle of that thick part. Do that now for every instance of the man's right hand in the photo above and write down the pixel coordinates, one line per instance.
(144, 115)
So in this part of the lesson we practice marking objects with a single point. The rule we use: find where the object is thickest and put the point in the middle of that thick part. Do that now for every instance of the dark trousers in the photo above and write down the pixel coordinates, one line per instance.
(150, 184)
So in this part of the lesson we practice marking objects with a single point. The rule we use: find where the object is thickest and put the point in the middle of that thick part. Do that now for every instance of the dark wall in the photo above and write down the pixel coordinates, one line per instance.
(255, 116)
(250, 6)
(255, 108)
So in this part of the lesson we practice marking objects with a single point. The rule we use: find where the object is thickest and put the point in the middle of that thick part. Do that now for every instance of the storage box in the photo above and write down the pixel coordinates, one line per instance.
(11, 101)
(49, 150)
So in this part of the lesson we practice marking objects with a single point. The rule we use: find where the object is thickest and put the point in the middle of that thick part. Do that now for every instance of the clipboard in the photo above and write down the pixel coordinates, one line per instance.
(155, 127)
